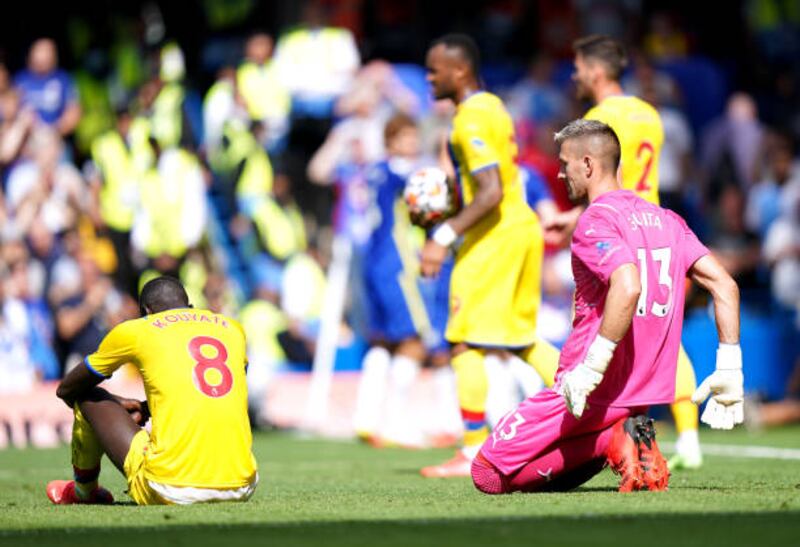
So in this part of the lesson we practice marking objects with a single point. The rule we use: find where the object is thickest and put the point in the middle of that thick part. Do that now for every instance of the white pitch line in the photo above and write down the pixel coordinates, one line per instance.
(744, 451)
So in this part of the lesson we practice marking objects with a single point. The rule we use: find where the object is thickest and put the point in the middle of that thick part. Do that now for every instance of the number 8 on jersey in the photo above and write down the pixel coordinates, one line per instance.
(222, 384)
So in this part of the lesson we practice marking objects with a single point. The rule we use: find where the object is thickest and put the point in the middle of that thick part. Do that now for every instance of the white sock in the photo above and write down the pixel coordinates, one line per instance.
(371, 390)
(525, 375)
(400, 423)
(688, 442)
(471, 451)
(448, 415)
(502, 396)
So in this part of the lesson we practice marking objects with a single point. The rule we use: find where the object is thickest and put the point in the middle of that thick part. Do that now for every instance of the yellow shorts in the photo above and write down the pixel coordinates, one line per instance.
(495, 288)
(138, 486)
(147, 492)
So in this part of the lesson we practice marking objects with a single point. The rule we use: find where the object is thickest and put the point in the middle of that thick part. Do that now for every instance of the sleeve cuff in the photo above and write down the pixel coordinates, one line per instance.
(484, 168)
(93, 370)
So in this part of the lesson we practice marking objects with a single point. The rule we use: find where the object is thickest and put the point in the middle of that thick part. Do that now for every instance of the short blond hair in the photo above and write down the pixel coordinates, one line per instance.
(585, 129)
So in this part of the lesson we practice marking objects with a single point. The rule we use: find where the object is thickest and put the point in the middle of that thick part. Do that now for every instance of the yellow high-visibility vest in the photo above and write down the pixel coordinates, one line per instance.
(164, 201)
(263, 93)
(143, 158)
(167, 118)
(262, 321)
(255, 180)
(120, 190)
(280, 229)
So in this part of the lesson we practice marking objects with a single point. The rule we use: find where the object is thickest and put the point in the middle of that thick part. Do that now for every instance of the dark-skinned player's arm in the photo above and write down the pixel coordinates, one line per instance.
(623, 292)
(486, 199)
(79, 383)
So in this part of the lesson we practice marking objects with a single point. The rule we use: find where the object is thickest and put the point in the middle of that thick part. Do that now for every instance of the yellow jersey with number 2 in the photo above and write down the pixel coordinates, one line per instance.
(641, 135)
(193, 365)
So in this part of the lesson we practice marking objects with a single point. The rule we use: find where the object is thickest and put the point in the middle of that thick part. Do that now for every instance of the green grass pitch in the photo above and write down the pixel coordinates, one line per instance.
(316, 492)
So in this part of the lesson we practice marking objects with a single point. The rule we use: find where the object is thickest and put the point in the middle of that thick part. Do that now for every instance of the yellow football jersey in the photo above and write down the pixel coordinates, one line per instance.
(495, 284)
(193, 365)
(638, 127)
(482, 137)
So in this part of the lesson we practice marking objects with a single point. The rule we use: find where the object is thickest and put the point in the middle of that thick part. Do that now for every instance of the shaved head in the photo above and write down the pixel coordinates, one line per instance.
(589, 158)
(463, 48)
(593, 138)
(453, 64)
(162, 293)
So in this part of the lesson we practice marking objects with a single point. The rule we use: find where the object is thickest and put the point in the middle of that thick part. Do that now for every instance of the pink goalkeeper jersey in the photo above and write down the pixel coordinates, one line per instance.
(616, 229)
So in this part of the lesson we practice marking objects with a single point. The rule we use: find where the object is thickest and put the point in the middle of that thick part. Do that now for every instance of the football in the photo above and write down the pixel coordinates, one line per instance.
(427, 193)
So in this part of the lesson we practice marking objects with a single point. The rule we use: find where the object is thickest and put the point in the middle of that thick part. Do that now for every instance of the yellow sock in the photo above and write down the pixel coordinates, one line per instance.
(543, 357)
(86, 455)
(683, 410)
(473, 387)
(685, 415)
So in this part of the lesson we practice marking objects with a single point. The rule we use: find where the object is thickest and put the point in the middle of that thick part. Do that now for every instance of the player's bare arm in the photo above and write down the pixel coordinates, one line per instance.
(725, 385)
(558, 228)
(487, 198)
(623, 293)
(77, 384)
(620, 305)
(708, 273)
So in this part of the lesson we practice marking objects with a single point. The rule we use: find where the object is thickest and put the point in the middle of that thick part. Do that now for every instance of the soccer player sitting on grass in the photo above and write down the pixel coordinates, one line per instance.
(193, 366)
(629, 259)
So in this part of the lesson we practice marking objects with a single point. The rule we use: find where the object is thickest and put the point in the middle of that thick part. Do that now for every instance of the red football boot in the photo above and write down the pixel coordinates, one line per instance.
(655, 472)
(63, 493)
(623, 455)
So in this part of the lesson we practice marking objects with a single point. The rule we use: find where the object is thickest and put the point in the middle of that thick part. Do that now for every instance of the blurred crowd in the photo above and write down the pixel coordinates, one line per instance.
(123, 167)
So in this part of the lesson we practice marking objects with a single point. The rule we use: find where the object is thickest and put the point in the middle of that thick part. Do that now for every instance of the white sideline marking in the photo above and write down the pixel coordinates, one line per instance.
(744, 451)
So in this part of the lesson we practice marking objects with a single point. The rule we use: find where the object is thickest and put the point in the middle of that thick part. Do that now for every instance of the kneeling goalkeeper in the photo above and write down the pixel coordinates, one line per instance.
(193, 366)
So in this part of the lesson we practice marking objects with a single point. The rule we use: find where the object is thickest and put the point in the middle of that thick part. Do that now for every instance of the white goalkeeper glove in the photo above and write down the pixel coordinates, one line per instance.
(726, 387)
(578, 383)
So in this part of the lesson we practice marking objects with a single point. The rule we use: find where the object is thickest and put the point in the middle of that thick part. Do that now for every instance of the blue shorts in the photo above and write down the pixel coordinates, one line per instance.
(402, 305)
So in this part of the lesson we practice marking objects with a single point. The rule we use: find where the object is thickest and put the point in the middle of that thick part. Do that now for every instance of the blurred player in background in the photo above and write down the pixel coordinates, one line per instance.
(495, 284)
(407, 313)
(629, 260)
(599, 63)
(193, 366)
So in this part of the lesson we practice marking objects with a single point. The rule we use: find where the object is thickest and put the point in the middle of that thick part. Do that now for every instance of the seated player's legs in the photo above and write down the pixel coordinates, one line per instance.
(138, 486)
(146, 492)
(685, 413)
(112, 425)
(541, 441)
(101, 426)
